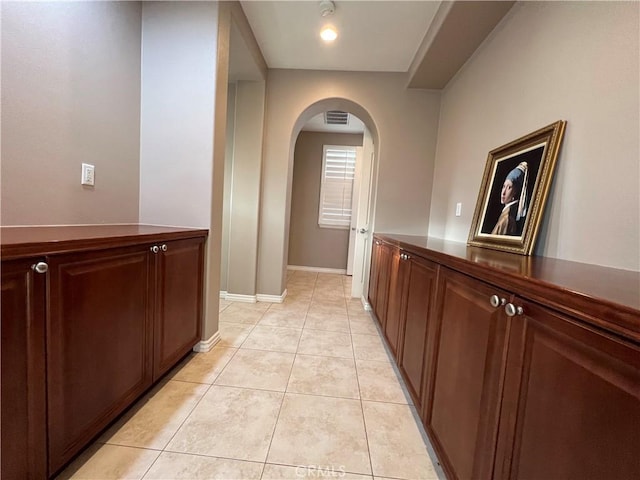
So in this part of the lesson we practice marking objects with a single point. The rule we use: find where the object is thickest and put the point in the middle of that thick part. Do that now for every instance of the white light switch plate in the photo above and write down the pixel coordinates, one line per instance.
(88, 174)
(458, 209)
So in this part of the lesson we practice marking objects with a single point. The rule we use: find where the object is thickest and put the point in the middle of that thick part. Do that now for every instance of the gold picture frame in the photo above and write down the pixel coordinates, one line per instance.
(514, 191)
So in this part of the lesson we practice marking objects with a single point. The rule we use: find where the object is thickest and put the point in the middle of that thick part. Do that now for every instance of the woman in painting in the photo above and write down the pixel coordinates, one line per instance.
(514, 198)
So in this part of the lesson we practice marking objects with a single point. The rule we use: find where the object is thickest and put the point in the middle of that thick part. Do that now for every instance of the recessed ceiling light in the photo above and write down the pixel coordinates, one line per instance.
(328, 34)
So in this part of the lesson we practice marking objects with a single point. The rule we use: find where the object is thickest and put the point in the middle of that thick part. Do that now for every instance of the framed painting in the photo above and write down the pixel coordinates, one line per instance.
(514, 191)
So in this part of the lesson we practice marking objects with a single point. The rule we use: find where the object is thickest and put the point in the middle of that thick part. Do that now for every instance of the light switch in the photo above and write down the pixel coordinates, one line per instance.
(88, 174)
(458, 209)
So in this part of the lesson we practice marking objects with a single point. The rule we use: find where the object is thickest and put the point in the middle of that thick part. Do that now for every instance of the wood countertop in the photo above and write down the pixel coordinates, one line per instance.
(20, 242)
(606, 297)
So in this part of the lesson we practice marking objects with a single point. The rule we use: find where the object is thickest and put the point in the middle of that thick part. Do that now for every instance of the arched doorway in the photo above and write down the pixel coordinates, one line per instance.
(362, 224)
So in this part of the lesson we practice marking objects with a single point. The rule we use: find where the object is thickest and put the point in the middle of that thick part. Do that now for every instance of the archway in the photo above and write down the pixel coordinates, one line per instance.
(366, 215)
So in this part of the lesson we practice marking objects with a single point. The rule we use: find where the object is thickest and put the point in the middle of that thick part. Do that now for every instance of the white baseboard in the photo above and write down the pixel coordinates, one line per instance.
(223, 294)
(339, 271)
(365, 304)
(272, 298)
(236, 297)
(206, 345)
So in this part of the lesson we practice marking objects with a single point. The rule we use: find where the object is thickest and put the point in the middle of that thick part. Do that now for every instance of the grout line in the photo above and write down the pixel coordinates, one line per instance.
(364, 422)
(275, 425)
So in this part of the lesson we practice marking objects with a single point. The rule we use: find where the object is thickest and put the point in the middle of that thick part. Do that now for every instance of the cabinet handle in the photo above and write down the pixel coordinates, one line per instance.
(155, 249)
(496, 301)
(164, 247)
(377, 242)
(511, 310)
(40, 267)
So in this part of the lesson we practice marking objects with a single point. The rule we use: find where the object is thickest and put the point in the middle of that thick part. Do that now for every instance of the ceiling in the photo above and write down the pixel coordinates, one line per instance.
(429, 40)
(375, 36)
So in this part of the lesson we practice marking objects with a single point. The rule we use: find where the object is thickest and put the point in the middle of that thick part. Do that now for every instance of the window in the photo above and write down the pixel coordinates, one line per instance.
(336, 188)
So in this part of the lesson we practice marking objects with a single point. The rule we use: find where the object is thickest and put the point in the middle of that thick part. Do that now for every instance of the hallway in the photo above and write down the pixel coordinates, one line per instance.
(302, 389)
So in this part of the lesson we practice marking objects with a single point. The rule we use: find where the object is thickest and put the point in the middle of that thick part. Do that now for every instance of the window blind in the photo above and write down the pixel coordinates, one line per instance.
(336, 190)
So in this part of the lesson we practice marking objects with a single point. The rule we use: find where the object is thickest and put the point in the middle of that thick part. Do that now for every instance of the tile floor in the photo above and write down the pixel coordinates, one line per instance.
(302, 389)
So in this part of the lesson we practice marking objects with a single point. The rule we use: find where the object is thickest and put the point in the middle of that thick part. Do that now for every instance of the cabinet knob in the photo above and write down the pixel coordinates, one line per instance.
(40, 267)
(155, 249)
(496, 301)
(511, 310)
(377, 242)
(164, 247)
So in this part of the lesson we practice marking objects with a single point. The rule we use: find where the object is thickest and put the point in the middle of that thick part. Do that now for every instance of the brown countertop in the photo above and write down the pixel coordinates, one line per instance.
(605, 294)
(19, 242)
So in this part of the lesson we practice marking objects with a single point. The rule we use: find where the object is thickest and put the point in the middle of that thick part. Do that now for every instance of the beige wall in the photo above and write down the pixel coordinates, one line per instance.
(245, 188)
(546, 61)
(310, 245)
(70, 95)
(179, 44)
(228, 169)
(406, 126)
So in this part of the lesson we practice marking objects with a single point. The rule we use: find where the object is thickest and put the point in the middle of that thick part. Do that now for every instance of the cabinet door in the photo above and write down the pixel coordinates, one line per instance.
(382, 252)
(469, 352)
(571, 406)
(420, 286)
(179, 268)
(23, 437)
(374, 273)
(395, 310)
(98, 343)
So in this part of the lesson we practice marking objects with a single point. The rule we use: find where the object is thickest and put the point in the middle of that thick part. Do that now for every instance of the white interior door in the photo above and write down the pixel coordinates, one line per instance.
(355, 201)
(361, 221)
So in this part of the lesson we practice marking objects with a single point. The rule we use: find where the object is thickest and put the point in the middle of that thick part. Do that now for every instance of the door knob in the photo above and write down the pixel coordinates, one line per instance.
(511, 310)
(363, 230)
(40, 267)
(496, 301)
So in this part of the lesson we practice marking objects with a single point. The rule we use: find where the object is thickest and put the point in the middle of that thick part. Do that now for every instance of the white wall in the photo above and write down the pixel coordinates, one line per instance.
(70, 95)
(577, 61)
(406, 123)
(179, 49)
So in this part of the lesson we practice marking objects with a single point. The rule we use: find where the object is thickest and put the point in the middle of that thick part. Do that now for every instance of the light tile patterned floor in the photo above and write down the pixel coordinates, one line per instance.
(302, 389)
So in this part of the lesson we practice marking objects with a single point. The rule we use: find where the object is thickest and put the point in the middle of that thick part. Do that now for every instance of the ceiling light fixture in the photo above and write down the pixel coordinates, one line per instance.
(328, 34)
(327, 7)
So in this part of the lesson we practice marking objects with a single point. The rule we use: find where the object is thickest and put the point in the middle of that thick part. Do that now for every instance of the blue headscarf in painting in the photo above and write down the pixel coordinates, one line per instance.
(518, 177)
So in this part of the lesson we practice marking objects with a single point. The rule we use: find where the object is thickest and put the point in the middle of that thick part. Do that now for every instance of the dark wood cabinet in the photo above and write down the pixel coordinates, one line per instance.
(395, 311)
(23, 429)
(415, 324)
(118, 307)
(520, 367)
(98, 343)
(379, 280)
(178, 278)
(469, 362)
(571, 404)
